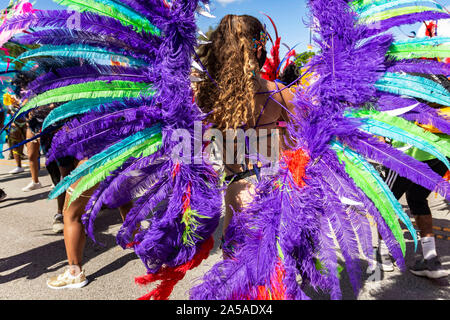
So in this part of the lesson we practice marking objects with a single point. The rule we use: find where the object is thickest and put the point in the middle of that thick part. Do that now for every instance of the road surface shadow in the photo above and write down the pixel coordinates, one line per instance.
(406, 286)
(5, 177)
(397, 286)
(51, 257)
(29, 198)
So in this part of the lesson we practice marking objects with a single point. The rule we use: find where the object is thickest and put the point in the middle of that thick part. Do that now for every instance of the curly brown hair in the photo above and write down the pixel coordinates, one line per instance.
(231, 61)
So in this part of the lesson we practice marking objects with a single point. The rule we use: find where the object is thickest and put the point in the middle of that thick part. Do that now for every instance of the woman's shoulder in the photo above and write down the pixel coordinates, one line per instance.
(279, 92)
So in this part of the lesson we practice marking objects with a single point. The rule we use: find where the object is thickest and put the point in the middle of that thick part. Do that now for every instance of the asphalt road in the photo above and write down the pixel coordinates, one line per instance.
(30, 253)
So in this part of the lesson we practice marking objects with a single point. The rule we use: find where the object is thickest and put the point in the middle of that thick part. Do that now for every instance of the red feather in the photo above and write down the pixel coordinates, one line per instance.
(270, 70)
(171, 276)
(297, 161)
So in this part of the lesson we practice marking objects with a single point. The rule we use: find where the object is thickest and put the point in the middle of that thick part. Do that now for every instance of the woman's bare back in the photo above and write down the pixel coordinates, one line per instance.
(271, 110)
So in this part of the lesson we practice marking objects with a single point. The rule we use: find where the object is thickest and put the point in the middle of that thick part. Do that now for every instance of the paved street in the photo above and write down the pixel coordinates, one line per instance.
(30, 253)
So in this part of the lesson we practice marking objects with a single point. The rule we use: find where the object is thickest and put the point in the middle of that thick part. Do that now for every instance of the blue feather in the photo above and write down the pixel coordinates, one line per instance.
(74, 108)
(103, 157)
(418, 87)
(95, 54)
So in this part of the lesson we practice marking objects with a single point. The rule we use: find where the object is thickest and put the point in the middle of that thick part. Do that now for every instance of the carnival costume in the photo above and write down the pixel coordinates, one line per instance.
(129, 113)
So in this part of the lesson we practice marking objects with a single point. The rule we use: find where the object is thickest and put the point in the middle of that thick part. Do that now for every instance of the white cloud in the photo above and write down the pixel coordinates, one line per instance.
(225, 2)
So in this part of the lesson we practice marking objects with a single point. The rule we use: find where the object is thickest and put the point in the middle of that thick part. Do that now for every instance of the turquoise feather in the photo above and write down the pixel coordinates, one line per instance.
(358, 159)
(73, 108)
(425, 41)
(386, 130)
(103, 157)
(11, 73)
(413, 86)
(95, 54)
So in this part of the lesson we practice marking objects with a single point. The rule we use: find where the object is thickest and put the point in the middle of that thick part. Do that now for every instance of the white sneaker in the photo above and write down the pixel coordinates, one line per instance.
(66, 280)
(32, 186)
(386, 263)
(17, 170)
(58, 223)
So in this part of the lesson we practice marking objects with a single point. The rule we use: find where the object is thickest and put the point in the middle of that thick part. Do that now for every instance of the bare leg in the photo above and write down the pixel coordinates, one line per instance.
(65, 171)
(15, 137)
(33, 156)
(238, 195)
(425, 225)
(16, 154)
(74, 235)
(125, 209)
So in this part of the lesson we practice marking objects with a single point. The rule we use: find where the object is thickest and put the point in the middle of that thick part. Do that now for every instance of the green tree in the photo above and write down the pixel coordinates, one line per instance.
(302, 59)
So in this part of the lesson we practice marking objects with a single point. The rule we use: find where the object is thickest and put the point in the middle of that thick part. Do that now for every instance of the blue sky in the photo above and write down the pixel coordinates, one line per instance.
(289, 15)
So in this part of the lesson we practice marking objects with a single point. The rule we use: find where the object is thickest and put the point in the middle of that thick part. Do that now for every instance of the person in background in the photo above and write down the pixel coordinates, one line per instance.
(58, 170)
(429, 265)
(2, 123)
(290, 75)
(17, 132)
(34, 121)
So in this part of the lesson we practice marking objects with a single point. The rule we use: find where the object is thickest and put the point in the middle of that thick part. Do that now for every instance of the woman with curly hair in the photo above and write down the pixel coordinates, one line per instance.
(236, 97)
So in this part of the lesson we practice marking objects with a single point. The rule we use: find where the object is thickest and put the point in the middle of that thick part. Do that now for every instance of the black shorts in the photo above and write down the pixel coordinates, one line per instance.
(416, 195)
(53, 170)
(66, 162)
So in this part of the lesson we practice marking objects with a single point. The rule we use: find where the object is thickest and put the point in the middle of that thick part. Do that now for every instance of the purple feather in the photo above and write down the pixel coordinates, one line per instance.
(162, 242)
(89, 22)
(96, 130)
(384, 25)
(406, 166)
(255, 262)
(343, 186)
(370, 208)
(345, 236)
(102, 195)
(74, 76)
(427, 115)
(420, 66)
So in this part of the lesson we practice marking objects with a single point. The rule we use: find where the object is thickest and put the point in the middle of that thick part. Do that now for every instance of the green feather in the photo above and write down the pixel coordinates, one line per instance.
(436, 47)
(360, 4)
(191, 226)
(384, 5)
(90, 90)
(370, 187)
(144, 149)
(116, 10)
(398, 12)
